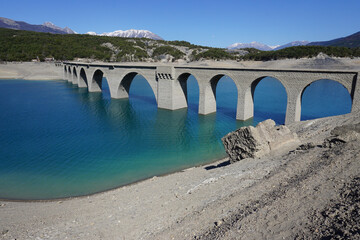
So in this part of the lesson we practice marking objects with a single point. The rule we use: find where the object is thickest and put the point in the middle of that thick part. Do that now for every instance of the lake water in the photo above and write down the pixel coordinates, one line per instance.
(57, 140)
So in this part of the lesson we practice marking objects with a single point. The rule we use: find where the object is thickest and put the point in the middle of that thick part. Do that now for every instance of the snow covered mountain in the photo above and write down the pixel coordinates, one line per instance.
(45, 27)
(132, 33)
(265, 47)
(256, 45)
(293, 44)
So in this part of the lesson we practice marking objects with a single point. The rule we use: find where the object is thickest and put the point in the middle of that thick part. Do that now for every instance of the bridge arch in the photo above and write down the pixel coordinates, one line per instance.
(69, 74)
(75, 76)
(83, 82)
(95, 84)
(123, 88)
(222, 78)
(66, 74)
(277, 108)
(324, 98)
(190, 87)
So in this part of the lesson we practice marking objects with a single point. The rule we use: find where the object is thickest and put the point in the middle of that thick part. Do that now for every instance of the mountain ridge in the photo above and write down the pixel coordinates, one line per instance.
(350, 41)
(131, 33)
(264, 47)
(46, 27)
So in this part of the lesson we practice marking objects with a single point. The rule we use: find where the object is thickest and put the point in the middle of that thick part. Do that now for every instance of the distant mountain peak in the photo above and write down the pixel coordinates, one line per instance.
(350, 41)
(264, 47)
(253, 44)
(49, 24)
(45, 27)
(131, 33)
(53, 26)
(8, 22)
(292, 44)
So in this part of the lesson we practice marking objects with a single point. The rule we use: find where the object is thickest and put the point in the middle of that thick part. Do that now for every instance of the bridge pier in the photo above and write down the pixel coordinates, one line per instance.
(293, 108)
(171, 92)
(207, 98)
(116, 85)
(74, 76)
(356, 94)
(82, 79)
(93, 78)
(69, 75)
(245, 104)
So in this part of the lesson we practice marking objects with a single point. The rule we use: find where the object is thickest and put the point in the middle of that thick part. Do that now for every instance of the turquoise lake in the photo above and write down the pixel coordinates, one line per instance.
(58, 140)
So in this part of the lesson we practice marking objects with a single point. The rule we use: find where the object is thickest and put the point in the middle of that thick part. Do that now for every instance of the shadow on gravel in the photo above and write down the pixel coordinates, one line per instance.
(222, 164)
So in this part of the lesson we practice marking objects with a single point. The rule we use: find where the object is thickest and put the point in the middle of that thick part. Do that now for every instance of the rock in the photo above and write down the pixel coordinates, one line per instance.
(322, 55)
(306, 146)
(347, 132)
(257, 141)
(343, 134)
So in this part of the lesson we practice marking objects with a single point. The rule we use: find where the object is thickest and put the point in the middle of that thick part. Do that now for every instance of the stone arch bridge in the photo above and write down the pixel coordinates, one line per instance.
(169, 84)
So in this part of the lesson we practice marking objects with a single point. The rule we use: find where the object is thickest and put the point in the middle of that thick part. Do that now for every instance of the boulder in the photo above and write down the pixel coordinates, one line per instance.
(251, 142)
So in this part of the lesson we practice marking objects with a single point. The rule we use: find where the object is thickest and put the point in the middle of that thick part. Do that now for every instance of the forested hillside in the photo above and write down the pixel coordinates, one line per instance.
(16, 45)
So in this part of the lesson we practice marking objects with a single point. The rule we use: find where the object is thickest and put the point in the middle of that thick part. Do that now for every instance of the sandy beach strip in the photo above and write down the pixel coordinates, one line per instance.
(31, 71)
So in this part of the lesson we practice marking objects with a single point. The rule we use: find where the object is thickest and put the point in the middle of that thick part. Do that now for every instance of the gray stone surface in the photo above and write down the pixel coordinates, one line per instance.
(251, 142)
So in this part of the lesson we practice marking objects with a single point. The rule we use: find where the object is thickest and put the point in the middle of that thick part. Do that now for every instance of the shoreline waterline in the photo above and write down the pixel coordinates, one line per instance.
(215, 162)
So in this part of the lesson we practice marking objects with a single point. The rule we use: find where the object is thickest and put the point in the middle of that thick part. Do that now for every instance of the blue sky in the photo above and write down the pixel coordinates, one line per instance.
(211, 23)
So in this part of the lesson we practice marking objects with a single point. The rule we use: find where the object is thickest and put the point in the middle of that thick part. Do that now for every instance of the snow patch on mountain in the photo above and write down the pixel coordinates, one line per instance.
(292, 44)
(132, 33)
(256, 45)
(264, 47)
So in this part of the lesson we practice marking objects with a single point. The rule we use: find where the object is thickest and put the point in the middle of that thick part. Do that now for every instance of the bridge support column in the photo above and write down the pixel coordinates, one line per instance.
(81, 81)
(356, 94)
(66, 75)
(171, 94)
(93, 79)
(245, 105)
(117, 90)
(293, 109)
(207, 101)
(74, 78)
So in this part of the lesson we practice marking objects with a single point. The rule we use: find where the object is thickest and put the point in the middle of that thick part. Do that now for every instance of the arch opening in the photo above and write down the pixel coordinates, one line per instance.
(226, 95)
(83, 79)
(74, 76)
(139, 90)
(190, 87)
(105, 90)
(270, 99)
(97, 79)
(135, 86)
(324, 98)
